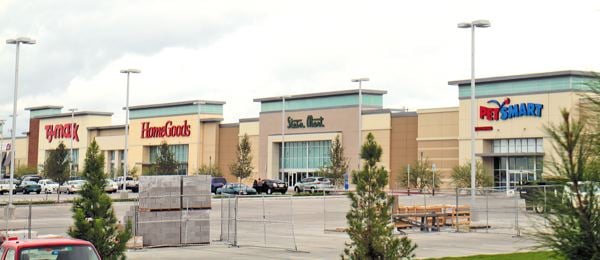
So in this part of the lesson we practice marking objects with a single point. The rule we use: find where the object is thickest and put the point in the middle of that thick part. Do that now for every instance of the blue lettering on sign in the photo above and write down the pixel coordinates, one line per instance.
(508, 111)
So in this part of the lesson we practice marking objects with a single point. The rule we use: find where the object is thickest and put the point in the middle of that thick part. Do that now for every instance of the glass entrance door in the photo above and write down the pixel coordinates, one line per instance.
(520, 177)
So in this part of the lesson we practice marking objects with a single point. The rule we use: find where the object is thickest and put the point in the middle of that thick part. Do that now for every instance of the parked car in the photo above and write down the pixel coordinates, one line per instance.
(30, 187)
(130, 183)
(48, 186)
(533, 194)
(5, 186)
(49, 248)
(313, 184)
(269, 186)
(71, 187)
(237, 189)
(217, 182)
(111, 186)
(34, 178)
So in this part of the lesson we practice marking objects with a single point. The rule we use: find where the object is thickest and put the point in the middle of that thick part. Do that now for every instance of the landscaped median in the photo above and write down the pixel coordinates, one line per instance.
(539, 255)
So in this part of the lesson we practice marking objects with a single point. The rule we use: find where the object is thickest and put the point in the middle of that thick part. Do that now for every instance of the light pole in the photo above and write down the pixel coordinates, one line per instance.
(128, 72)
(283, 139)
(2, 121)
(199, 103)
(472, 25)
(71, 131)
(17, 42)
(359, 80)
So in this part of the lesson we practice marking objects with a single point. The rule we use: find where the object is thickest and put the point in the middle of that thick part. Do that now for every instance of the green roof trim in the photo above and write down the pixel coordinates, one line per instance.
(526, 86)
(369, 100)
(187, 109)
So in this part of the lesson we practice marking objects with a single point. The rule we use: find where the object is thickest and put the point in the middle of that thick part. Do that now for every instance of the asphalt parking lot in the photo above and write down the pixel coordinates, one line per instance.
(308, 239)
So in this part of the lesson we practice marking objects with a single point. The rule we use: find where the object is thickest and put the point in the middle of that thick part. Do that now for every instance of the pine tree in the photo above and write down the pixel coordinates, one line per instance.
(338, 163)
(573, 223)
(93, 214)
(242, 166)
(370, 228)
(56, 166)
(165, 162)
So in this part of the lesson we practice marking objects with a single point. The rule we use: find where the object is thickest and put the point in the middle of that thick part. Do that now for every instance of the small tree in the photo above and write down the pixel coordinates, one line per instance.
(369, 225)
(338, 163)
(461, 176)
(93, 214)
(23, 170)
(573, 229)
(56, 166)
(421, 176)
(165, 162)
(211, 170)
(242, 166)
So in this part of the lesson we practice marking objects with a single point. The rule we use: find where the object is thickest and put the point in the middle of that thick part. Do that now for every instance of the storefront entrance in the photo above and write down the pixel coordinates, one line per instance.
(518, 170)
(291, 178)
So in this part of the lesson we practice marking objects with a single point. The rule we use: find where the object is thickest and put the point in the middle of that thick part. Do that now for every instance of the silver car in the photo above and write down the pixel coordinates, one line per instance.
(313, 184)
(71, 187)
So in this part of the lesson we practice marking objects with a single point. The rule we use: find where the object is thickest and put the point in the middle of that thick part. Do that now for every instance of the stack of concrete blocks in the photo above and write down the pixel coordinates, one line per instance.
(173, 210)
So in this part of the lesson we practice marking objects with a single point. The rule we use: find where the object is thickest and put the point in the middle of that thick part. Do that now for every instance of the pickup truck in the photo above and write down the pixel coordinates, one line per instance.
(130, 183)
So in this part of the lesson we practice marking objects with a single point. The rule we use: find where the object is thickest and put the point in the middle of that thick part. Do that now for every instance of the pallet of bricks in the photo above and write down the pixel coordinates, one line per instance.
(172, 210)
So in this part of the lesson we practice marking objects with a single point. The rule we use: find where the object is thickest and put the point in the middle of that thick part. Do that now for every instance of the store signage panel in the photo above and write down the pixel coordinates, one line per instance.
(60, 131)
(166, 130)
(311, 122)
(506, 110)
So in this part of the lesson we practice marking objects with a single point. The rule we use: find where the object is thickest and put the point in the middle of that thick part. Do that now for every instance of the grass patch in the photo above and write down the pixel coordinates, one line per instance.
(540, 255)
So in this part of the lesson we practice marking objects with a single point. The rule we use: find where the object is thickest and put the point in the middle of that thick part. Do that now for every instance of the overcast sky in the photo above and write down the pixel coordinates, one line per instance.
(235, 51)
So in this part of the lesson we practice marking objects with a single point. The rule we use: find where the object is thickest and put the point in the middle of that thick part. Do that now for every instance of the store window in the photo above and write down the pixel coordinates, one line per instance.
(180, 153)
(518, 145)
(310, 155)
(75, 160)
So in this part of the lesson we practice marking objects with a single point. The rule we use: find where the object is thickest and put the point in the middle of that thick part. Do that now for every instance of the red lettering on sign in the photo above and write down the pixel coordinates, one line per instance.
(167, 130)
(60, 131)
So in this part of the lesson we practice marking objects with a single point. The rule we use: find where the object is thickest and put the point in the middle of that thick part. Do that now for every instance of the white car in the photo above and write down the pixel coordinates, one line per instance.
(313, 184)
(111, 186)
(71, 187)
(48, 186)
(5, 186)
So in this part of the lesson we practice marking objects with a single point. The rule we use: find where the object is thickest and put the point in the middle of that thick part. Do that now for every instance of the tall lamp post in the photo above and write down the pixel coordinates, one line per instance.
(17, 42)
(359, 80)
(199, 104)
(125, 166)
(2, 121)
(71, 131)
(472, 26)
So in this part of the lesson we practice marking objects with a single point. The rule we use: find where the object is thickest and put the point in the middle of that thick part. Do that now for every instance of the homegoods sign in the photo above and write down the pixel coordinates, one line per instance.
(166, 130)
(311, 122)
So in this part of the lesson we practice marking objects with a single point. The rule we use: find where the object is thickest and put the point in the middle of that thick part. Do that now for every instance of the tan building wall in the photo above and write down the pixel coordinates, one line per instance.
(201, 141)
(380, 126)
(520, 127)
(342, 121)
(437, 140)
(252, 130)
(83, 121)
(228, 141)
(403, 145)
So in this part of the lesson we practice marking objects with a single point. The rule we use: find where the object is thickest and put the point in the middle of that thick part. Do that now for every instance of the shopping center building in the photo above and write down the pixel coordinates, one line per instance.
(512, 112)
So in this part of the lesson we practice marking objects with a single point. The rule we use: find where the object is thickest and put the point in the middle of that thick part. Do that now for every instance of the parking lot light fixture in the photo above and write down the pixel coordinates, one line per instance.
(125, 150)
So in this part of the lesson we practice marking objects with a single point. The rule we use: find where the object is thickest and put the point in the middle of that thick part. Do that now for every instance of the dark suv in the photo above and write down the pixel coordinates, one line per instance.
(269, 186)
(217, 182)
(533, 194)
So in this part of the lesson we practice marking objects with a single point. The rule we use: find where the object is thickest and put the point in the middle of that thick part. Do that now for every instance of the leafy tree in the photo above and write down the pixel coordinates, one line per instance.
(56, 166)
(93, 214)
(461, 176)
(573, 229)
(165, 163)
(369, 225)
(242, 166)
(338, 163)
(211, 170)
(421, 176)
(133, 172)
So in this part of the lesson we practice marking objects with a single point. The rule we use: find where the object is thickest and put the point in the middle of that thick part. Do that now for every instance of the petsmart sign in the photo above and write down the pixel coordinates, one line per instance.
(506, 110)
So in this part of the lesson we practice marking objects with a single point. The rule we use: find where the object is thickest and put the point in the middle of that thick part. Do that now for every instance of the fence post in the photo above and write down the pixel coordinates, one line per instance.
(324, 214)
(235, 210)
(264, 220)
(487, 210)
(29, 222)
(517, 214)
(456, 210)
(545, 207)
(222, 219)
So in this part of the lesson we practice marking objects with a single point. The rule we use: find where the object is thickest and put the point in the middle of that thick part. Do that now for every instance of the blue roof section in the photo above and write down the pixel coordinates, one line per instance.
(344, 98)
(193, 107)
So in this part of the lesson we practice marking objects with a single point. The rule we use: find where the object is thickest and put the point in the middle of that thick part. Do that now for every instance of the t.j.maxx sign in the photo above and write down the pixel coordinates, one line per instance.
(311, 122)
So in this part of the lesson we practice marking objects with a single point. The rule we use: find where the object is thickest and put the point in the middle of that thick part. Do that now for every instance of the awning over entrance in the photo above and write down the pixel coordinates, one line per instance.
(508, 154)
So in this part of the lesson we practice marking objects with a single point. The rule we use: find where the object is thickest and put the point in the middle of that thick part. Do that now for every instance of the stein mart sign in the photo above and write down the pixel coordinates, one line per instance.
(311, 122)
(60, 131)
(166, 130)
(506, 111)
